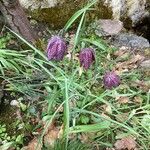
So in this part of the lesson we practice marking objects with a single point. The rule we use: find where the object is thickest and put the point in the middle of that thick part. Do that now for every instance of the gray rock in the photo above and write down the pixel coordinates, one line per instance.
(130, 40)
(35, 4)
(56, 11)
(130, 11)
(107, 27)
(145, 64)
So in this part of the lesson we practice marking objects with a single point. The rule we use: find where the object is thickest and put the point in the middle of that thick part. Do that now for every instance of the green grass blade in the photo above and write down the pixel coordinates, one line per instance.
(47, 71)
(77, 15)
(90, 128)
(26, 42)
(78, 30)
(5, 52)
(97, 43)
(111, 120)
(72, 20)
(66, 113)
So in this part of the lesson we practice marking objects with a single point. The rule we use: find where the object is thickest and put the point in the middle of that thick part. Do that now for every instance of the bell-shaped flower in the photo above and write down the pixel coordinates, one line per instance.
(56, 48)
(86, 57)
(111, 79)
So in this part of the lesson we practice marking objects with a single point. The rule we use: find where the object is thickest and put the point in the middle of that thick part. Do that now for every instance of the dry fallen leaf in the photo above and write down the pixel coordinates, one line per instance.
(119, 52)
(143, 85)
(122, 53)
(107, 108)
(122, 117)
(84, 138)
(138, 99)
(48, 126)
(105, 116)
(52, 134)
(136, 58)
(126, 143)
(123, 100)
(132, 63)
(110, 148)
(51, 137)
(108, 56)
(33, 145)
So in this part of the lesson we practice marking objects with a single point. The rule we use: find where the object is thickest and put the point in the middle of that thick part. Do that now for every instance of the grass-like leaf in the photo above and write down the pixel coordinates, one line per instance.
(77, 15)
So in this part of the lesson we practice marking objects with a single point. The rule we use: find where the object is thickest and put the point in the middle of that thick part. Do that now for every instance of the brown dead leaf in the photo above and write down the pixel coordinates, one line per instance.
(107, 108)
(48, 127)
(129, 64)
(72, 103)
(122, 117)
(121, 67)
(110, 148)
(122, 53)
(136, 58)
(84, 138)
(52, 134)
(143, 85)
(126, 143)
(108, 56)
(119, 52)
(33, 145)
(123, 100)
(51, 137)
(105, 116)
(137, 99)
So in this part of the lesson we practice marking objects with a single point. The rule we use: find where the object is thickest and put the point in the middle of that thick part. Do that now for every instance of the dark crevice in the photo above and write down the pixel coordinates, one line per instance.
(143, 27)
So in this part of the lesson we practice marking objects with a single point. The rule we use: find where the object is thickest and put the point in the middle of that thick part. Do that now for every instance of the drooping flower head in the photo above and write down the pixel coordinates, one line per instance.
(111, 79)
(56, 48)
(86, 57)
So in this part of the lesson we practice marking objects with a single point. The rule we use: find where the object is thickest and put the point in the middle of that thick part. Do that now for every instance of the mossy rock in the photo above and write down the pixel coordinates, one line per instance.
(57, 16)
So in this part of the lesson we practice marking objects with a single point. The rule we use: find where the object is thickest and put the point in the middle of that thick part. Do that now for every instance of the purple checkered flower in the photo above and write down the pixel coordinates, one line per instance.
(111, 79)
(86, 57)
(56, 48)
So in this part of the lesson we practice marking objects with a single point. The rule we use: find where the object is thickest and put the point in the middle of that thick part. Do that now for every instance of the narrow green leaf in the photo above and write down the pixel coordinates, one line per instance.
(90, 128)
(77, 14)
(26, 42)
(97, 43)
(79, 28)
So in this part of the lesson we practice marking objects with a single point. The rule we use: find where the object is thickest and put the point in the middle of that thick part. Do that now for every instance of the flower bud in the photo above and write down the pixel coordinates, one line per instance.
(111, 79)
(86, 57)
(56, 48)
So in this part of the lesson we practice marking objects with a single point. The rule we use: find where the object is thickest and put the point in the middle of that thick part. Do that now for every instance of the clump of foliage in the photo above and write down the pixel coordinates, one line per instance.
(73, 94)
(4, 40)
(7, 141)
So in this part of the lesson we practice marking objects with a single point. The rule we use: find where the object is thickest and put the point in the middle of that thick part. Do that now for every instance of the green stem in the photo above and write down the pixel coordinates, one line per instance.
(66, 113)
